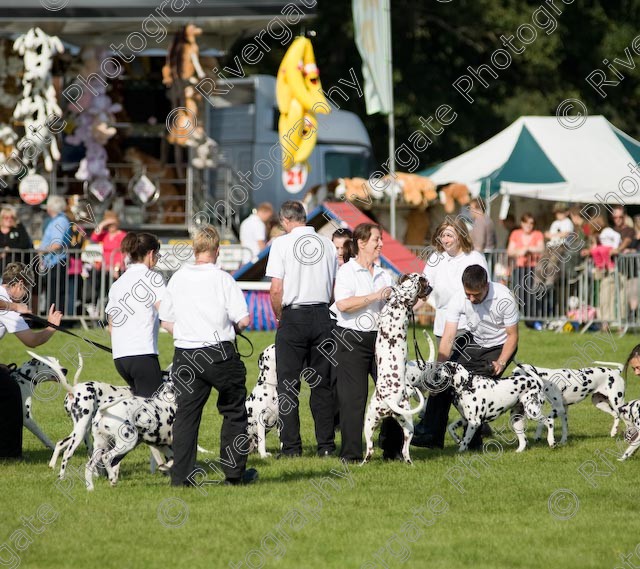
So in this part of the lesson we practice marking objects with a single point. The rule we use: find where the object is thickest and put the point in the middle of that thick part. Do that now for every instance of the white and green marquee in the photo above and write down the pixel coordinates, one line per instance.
(538, 157)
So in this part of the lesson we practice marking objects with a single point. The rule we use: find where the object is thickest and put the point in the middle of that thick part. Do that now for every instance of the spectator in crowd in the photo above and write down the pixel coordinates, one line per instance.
(361, 290)
(204, 327)
(13, 235)
(53, 251)
(453, 253)
(627, 234)
(483, 233)
(75, 266)
(253, 231)
(16, 279)
(632, 269)
(340, 238)
(562, 227)
(604, 242)
(302, 266)
(110, 236)
(525, 247)
(132, 313)
(633, 361)
(509, 225)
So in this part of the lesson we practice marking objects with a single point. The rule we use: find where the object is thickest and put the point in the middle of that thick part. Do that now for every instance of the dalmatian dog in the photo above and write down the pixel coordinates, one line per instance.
(392, 392)
(120, 425)
(81, 404)
(28, 376)
(605, 385)
(482, 399)
(630, 414)
(262, 404)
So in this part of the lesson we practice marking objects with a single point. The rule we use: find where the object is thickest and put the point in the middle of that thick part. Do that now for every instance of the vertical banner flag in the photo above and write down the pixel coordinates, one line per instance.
(372, 25)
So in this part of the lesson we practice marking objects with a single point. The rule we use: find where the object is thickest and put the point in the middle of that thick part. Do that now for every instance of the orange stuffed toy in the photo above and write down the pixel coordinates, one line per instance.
(416, 190)
(455, 193)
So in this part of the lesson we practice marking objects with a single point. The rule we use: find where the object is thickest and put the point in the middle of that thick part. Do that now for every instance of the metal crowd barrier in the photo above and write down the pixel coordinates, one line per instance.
(566, 289)
(79, 284)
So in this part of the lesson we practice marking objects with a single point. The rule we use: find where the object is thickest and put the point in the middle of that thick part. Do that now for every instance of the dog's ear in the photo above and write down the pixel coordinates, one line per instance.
(403, 278)
(425, 289)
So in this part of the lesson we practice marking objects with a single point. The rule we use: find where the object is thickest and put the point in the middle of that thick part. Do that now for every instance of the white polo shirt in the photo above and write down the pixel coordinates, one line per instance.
(355, 280)
(203, 302)
(486, 321)
(444, 274)
(10, 321)
(131, 309)
(307, 263)
(253, 230)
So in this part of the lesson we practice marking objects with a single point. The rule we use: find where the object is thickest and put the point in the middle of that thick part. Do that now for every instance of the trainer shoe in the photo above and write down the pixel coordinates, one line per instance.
(248, 477)
(426, 441)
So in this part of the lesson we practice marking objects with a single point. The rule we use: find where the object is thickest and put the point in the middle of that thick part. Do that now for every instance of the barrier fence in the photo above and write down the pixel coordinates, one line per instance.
(560, 289)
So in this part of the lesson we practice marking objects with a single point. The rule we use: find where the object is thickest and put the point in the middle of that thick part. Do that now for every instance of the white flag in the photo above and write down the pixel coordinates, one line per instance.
(372, 26)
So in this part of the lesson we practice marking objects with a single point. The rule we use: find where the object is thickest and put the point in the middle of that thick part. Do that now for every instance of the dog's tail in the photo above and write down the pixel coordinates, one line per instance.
(56, 367)
(614, 365)
(399, 411)
(110, 404)
(79, 370)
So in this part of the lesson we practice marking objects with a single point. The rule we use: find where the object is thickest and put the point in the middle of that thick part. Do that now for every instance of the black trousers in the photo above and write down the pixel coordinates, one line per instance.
(10, 416)
(356, 361)
(142, 373)
(474, 358)
(56, 282)
(195, 372)
(300, 334)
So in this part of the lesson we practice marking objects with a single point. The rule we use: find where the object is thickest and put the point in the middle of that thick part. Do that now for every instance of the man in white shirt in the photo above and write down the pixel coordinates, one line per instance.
(203, 307)
(253, 231)
(302, 266)
(562, 227)
(491, 312)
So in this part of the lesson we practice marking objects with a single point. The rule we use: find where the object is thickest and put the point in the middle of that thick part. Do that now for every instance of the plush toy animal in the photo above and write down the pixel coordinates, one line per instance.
(455, 193)
(38, 101)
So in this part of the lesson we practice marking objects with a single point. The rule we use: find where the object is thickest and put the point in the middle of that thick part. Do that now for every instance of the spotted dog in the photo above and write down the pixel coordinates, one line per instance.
(120, 425)
(262, 404)
(392, 392)
(630, 414)
(28, 376)
(481, 399)
(81, 403)
(605, 385)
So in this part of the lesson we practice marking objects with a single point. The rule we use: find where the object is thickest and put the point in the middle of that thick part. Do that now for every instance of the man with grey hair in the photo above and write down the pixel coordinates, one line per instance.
(302, 266)
(52, 251)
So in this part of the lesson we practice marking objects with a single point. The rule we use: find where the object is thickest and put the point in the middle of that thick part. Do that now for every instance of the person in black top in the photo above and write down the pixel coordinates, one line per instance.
(13, 235)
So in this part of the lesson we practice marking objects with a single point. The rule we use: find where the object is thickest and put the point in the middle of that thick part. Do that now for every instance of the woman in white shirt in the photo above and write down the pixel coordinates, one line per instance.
(360, 293)
(453, 253)
(132, 311)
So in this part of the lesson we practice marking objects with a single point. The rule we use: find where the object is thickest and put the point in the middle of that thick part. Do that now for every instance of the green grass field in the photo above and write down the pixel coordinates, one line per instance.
(573, 506)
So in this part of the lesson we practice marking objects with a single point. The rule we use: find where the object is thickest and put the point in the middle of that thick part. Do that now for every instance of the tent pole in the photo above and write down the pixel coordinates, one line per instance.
(392, 172)
(487, 197)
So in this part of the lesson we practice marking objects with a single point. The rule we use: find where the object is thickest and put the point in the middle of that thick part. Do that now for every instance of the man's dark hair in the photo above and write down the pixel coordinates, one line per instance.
(293, 211)
(16, 272)
(474, 278)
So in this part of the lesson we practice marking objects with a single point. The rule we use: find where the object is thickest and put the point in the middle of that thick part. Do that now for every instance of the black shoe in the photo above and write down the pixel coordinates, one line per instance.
(249, 477)
(426, 441)
(326, 453)
(351, 460)
(393, 456)
(288, 455)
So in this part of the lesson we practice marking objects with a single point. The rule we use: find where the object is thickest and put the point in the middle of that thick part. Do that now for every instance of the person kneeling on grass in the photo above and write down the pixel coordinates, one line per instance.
(14, 288)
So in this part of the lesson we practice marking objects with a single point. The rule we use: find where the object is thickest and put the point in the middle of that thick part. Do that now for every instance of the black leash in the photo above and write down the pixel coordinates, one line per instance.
(422, 364)
(248, 342)
(44, 322)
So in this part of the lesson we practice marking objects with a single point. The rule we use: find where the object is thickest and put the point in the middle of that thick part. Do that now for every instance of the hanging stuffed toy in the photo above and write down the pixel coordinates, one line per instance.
(299, 95)
(181, 72)
(93, 128)
(38, 101)
(10, 71)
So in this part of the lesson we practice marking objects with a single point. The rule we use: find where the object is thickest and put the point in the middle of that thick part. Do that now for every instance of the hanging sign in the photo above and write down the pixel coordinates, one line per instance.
(295, 178)
(33, 189)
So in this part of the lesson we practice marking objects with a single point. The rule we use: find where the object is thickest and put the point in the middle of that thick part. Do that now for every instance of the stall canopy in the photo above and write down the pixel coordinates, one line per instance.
(537, 157)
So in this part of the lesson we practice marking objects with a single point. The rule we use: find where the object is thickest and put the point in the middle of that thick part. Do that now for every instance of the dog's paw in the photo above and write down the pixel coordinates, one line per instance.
(265, 455)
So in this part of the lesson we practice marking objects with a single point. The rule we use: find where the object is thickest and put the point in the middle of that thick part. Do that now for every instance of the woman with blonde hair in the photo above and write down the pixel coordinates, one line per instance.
(452, 253)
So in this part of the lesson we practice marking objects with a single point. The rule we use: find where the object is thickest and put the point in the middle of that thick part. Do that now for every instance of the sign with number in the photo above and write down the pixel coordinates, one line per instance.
(295, 178)
(33, 189)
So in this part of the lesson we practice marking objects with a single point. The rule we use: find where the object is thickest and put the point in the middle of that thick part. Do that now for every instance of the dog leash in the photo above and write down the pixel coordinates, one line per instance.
(422, 364)
(248, 342)
(43, 322)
